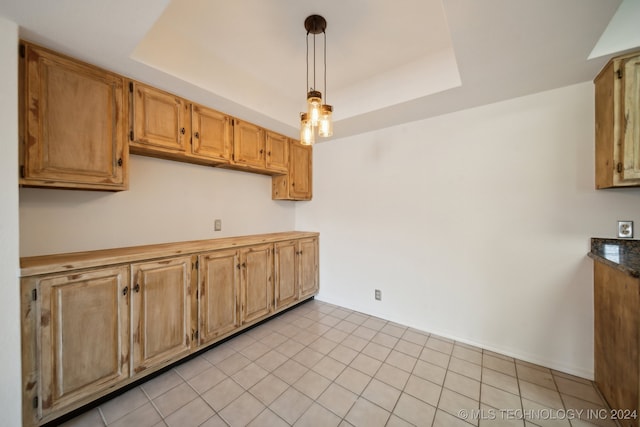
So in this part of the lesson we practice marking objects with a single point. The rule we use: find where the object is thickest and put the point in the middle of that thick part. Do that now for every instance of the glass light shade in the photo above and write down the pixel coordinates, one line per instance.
(307, 135)
(325, 124)
(314, 102)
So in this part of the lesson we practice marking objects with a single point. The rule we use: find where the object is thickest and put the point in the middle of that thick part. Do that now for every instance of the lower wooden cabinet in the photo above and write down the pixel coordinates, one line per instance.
(161, 315)
(96, 321)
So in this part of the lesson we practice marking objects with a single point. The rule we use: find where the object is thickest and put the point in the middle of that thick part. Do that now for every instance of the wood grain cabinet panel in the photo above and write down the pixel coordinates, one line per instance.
(308, 267)
(277, 147)
(83, 334)
(256, 282)
(212, 134)
(297, 183)
(617, 93)
(248, 144)
(219, 288)
(286, 281)
(161, 301)
(73, 115)
(160, 123)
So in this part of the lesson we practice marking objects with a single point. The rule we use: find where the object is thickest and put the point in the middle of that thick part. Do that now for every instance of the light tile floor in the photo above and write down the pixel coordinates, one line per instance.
(323, 365)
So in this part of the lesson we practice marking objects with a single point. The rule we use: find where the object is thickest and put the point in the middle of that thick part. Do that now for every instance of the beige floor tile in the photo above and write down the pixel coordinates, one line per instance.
(329, 368)
(414, 411)
(579, 390)
(289, 348)
(535, 376)
(256, 350)
(492, 417)
(344, 354)
(335, 335)
(354, 342)
(356, 318)
(192, 367)
(316, 329)
(544, 396)
(307, 336)
(288, 331)
(318, 416)
(499, 364)
(499, 399)
(500, 380)
(364, 333)
(408, 348)
(463, 385)
(365, 413)
(248, 376)
(465, 368)
(531, 365)
(467, 354)
(174, 399)
(498, 355)
(123, 404)
(308, 357)
(207, 379)
(428, 371)
(366, 364)
(91, 418)
(290, 405)
(323, 345)
(393, 330)
(381, 394)
(290, 371)
(232, 364)
(346, 326)
(401, 360)
(414, 337)
(385, 340)
(337, 399)
(353, 380)
(376, 351)
(241, 341)
(222, 394)
(144, 416)
(395, 421)
(444, 419)
(268, 389)
(439, 345)
(193, 413)
(271, 360)
(268, 418)
(435, 357)
(219, 353)
(375, 323)
(454, 403)
(341, 313)
(242, 410)
(312, 384)
(595, 414)
(540, 415)
(162, 383)
(570, 377)
(393, 376)
(424, 390)
(329, 320)
(468, 346)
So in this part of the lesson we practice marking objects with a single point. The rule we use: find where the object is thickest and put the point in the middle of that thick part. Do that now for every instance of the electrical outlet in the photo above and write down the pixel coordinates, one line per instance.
(378, 295)
(625, 229)
(217, 225)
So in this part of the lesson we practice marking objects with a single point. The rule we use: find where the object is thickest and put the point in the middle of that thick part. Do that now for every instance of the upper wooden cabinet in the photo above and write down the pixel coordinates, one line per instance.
(248, 144)
(160, 121)
(212, 134)
(73, 123)
(617, 93)
(277, 147)
(297, 184)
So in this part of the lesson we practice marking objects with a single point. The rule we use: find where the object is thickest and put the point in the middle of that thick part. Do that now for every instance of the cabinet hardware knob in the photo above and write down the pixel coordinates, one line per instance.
(120, 161)
(238, 266)
(269, 153)
(125, 291)
(196, 135)
(244, 265)
(137, 288)
(182, 130)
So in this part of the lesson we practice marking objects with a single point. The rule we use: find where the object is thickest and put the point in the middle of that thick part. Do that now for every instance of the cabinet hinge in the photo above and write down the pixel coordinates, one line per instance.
(22, 51)
(22, 174)
(131, 135)
(35, 402)
(197, 264)
(131, 87)
(197, 334)
(619, 167)
(34, 295)
(619, 73)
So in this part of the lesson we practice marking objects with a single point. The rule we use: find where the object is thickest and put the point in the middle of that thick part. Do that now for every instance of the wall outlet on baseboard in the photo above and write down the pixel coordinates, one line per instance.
(378, 295)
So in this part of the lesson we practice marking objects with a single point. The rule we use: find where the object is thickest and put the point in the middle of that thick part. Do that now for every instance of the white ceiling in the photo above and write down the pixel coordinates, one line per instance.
(388, 62)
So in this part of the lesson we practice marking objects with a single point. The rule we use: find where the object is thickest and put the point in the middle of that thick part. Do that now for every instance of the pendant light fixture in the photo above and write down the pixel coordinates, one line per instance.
(318, 117)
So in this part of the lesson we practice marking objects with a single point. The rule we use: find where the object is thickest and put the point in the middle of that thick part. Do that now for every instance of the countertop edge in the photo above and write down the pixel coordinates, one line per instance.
(630, 271)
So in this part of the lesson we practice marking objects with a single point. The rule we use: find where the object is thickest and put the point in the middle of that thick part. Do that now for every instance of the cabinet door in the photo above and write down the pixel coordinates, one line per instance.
(160, 298)
(218, 298)
(212, 134)
(83, 328)
(308, 267)
(256, 284)
(286, 280)
(159, 121)
(74, 124)
(248, 144)
(277, 147)
(300, 175)
(630, 126)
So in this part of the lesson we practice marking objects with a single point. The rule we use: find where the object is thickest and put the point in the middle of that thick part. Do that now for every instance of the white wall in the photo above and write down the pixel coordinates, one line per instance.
(167, 202)
(10, 378)
(475, 225)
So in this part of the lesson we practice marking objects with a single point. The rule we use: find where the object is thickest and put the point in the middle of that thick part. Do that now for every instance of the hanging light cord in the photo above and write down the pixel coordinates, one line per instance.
(314, 61)
(307, 87)
(325, 67)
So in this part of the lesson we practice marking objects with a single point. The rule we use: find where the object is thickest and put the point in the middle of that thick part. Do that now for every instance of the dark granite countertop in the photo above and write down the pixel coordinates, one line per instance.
(621, 254)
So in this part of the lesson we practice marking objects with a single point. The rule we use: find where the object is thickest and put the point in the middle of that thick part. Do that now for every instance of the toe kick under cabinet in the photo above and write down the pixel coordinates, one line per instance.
(93, 322)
